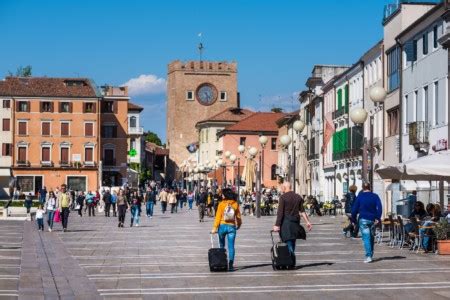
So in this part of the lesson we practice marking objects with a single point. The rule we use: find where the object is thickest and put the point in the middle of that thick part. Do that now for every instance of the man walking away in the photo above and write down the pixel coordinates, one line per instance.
(64, 202)
(113, 202)
(290, 209)
(42, 195)
(107, 200)
(368, 207)
(163, 195)
(150, 200)
(202, 199)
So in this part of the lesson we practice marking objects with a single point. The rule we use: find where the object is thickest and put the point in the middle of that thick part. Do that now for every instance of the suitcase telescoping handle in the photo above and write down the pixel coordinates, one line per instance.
(212, 240)
(271, 235)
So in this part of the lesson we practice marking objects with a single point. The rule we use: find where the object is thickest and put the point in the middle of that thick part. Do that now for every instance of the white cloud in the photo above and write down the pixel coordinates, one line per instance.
(146, 84)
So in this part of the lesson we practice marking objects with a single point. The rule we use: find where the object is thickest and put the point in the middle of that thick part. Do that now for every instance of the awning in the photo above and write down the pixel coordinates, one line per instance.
(5, 172)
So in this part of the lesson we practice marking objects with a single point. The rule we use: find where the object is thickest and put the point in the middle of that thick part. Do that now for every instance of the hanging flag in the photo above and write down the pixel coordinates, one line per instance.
(329, 131)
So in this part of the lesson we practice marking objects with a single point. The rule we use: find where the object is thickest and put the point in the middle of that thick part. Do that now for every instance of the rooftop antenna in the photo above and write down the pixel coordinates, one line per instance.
(200, 46)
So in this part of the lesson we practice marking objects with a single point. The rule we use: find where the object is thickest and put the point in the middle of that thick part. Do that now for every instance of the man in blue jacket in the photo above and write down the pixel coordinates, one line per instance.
(368, 207)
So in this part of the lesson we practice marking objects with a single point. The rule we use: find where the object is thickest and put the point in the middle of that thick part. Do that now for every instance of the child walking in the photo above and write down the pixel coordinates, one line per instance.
(40, 217)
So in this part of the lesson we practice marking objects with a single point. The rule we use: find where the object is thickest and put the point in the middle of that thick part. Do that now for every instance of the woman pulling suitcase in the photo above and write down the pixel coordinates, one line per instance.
(290, 208)
(227, 222)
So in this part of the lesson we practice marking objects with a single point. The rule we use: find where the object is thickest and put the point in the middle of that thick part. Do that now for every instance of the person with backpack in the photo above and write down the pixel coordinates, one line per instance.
(228, 220)
(290, 209)
(90, 203)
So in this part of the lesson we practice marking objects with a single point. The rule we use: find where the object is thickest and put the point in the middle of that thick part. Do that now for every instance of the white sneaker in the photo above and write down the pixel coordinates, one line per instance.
(151, 217)
(137, 225)
(49, 230)
(368, 260)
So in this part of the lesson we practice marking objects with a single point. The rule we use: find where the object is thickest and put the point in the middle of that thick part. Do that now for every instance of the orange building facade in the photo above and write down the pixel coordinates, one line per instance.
(55, 129)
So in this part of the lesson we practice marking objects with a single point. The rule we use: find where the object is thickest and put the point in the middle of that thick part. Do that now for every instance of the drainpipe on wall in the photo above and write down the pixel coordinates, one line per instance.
(400, 97)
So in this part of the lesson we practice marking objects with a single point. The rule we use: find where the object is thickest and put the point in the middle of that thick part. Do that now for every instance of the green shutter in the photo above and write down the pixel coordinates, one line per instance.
(339, 99)
(346, 98)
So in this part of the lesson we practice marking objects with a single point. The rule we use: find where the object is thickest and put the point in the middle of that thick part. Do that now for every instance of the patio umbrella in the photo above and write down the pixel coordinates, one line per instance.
(248, 175)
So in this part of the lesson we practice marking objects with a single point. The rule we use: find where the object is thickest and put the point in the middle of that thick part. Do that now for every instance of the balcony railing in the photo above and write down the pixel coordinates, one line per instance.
(135, 130)
(347, 154)
(313, 156)
(64, 163)
(340, 112)
(46, 163)
(89, 164)
(22, 163)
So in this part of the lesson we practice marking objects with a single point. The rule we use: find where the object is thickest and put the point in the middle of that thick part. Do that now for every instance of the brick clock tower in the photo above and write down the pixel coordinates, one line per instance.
(196, 90)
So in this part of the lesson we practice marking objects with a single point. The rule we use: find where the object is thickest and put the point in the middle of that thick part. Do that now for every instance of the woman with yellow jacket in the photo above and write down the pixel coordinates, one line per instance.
(227, 221)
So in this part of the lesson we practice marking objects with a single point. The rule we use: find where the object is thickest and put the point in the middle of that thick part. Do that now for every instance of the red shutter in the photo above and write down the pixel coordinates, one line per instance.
(4, 149)
(28, 106)
(70, 107)
(51, 107)
(94, 107)
(17, 106)
(46, 154)
(65, 155)
(115, 106)
(64, 129)
(22, 128)
(46, 128)
(89, 129)
(88, 154)
(41, 106)
(22, 154)
(6, 123)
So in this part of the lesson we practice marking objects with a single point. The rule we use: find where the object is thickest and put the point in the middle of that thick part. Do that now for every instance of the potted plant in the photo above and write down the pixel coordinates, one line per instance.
(442, 232)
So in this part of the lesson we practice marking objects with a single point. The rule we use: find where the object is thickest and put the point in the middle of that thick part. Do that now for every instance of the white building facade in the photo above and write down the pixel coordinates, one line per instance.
(6, 139)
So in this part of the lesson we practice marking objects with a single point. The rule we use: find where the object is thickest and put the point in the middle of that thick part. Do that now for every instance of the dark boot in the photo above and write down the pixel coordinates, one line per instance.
(230, 266)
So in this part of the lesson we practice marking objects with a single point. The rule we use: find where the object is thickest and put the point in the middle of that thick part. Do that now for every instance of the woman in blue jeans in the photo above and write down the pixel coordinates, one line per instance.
(227, 222)
(51, 207)
(434, 211)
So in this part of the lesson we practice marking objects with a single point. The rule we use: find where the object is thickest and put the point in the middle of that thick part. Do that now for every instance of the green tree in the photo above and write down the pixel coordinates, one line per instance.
(277, 110)
(22, 72)
(153, 138)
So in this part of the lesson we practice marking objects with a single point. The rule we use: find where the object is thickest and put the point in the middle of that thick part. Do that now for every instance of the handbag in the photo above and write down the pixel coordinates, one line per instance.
(57, 216)
(77, 207)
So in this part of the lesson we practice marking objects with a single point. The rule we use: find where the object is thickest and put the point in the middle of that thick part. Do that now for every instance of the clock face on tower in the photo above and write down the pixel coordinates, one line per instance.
(206, 94)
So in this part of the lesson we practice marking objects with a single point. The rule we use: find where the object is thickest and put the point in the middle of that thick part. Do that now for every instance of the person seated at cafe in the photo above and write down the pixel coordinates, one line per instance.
(434, 214)
(419, 213)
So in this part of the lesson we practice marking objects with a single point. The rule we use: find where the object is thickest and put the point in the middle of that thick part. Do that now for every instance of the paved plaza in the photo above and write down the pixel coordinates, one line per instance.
(166, 258)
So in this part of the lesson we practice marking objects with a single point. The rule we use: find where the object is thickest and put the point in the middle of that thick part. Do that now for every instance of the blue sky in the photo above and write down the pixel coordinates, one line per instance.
(275, 43)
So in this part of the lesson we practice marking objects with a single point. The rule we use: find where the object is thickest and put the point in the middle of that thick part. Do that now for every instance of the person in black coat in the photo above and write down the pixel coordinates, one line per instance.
(107, 200)
(290, 209)
(350, 198)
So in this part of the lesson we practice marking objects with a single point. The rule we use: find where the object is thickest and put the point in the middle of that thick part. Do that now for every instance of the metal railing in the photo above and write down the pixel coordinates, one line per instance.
(22, 163)
(340, 112)
(135, 130)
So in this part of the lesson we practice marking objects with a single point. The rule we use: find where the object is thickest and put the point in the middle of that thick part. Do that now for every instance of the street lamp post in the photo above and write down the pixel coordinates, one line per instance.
(298, 126)
(253, 152)
(241, 149)
(263, 141)
(359, 116)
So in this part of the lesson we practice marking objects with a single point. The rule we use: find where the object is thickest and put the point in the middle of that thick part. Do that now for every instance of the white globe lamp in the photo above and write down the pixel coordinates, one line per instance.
(358, 115)
(298, 125)
(241, 148)
(377, 94)
(253, 151)
(285, 140)
(263, 140)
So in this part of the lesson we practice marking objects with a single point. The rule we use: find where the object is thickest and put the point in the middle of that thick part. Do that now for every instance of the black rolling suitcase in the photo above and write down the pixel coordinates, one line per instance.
(281, 257)
(217, 257)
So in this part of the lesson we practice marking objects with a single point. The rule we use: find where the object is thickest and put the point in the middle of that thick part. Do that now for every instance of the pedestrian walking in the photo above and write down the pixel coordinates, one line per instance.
(201, 203)
(113, 202)
(122, 206)
(42, 195)
(172, 200)
(107, 200)
(51, 207)
(228, 220)
(150, 201)
(40, 217)
(190, 199)
(28, 203)
(368, 207)
(80, 203)
(90, 203)
(163, 195)
(135, 209)
(352, 227)
(290, 209)
(64, 201)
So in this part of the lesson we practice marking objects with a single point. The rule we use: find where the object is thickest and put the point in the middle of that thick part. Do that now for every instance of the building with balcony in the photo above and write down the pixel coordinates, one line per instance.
(54, 125)
(6, 138)
(114, 136)
(135, 143)
(424, 92)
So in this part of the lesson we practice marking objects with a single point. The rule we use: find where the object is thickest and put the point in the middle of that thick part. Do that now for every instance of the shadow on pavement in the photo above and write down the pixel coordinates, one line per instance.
(314, 265)
(389, 258)
(251, 266)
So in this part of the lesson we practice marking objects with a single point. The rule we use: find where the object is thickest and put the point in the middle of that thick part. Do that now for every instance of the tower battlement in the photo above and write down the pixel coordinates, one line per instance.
(202, 66)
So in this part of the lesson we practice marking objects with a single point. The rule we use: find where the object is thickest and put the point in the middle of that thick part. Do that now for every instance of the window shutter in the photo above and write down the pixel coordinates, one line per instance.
(94, 108)
(51, 107)
(88, 129)
(22, 154)
(45, 128)
(409, 51)
(22, 128)
(88, 154)
(65, 154)
(64, 129)
(45, 154)
(115, 106)
(4, 149)
(114, 133)
(28, 106)
(17, 106)
(70, 107)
